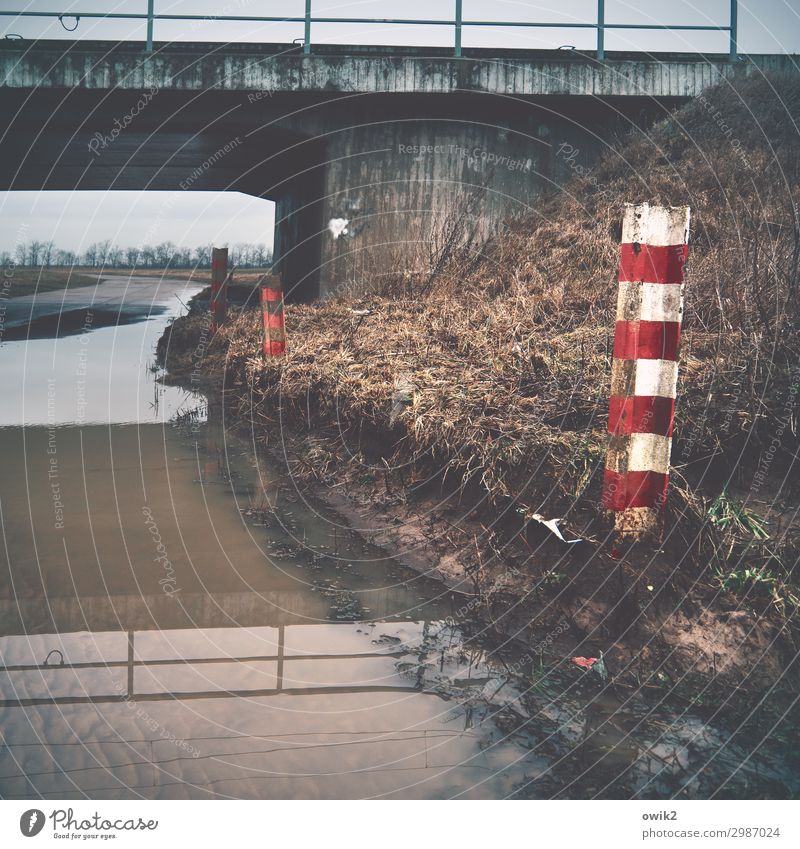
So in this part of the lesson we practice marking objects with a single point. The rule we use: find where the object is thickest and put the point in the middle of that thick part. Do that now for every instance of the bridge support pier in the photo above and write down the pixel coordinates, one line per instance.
(390, 197)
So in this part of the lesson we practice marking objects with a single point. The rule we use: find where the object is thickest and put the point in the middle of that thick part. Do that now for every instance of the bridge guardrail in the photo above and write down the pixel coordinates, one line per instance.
(457, 23)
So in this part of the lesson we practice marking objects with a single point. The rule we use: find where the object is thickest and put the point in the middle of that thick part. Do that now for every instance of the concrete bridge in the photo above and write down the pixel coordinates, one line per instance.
(374, 156)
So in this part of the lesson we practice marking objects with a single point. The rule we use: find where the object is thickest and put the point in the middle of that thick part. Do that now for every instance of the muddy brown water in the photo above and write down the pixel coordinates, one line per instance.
(178, 621)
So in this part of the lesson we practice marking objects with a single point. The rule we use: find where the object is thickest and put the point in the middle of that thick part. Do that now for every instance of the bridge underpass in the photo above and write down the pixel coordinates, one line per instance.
(368, 153)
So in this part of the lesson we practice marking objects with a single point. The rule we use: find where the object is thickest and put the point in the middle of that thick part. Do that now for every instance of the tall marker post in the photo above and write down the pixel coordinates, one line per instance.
(271, 297)
(219, 274)
(644, 372)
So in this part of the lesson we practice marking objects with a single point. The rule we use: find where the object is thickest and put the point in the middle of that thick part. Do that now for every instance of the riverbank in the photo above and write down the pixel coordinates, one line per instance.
(455, 416)
(98, 301)
(19, 281)
(247, 276)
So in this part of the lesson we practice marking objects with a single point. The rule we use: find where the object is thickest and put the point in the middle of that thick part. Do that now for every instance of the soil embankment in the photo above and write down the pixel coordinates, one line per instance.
(454, 413)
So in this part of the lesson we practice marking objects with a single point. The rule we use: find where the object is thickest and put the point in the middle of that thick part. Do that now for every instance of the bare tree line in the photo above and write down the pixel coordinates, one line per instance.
(106, 254)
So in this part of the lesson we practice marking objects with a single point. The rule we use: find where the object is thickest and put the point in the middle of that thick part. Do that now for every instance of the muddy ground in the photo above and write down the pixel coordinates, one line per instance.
(664, 630)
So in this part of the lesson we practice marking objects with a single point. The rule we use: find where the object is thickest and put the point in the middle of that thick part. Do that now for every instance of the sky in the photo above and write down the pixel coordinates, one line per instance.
(766, 26)
(73, 220)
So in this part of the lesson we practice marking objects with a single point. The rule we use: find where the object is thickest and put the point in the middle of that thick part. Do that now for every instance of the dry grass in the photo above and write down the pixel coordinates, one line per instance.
(509, 363)
(196, 274)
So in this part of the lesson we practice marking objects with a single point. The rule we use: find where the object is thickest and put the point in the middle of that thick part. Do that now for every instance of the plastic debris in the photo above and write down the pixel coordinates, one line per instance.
(592, 664)
(402, 397)
(552, 526)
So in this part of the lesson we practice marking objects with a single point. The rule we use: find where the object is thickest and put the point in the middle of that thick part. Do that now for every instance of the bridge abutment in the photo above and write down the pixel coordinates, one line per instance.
(403, 192)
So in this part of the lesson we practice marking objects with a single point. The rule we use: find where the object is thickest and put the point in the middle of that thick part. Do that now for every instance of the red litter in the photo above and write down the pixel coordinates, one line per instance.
(584, 662)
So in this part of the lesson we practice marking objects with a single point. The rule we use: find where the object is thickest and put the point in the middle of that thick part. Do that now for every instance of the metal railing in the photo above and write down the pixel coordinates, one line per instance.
(457, 23)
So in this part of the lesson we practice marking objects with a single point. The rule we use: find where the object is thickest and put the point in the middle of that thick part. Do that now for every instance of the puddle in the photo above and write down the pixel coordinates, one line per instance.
(378, 709)
(75, 322)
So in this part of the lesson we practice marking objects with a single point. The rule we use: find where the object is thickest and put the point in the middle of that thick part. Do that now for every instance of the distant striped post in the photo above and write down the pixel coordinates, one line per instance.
(219, 274)
(644, 372)
(271, 296)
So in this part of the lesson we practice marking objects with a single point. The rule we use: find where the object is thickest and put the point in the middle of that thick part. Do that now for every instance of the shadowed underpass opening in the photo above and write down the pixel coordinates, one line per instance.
(177, 146)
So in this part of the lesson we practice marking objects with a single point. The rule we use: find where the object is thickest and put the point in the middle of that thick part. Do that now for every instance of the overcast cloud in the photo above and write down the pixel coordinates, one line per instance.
(73, 220)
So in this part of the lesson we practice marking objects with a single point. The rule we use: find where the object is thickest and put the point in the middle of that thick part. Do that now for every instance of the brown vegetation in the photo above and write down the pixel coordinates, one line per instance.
(505, 354)
(29, 281)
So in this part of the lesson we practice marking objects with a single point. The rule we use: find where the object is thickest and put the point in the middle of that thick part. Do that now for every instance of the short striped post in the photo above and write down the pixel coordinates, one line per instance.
(271, 296)
(644, 372)
(219, 274)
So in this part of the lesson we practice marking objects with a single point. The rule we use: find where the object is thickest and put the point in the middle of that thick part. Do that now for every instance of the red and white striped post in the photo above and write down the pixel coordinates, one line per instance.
(219, 274)
(644, 373)
(271, 296)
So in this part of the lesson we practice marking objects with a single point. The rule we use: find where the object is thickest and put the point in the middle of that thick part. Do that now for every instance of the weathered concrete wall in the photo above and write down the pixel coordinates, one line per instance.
(281, 67)
(372, 156)
(410, 185)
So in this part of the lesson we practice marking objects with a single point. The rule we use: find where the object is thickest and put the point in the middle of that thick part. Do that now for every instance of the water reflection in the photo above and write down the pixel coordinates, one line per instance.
(325, 711)
(91, 364)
